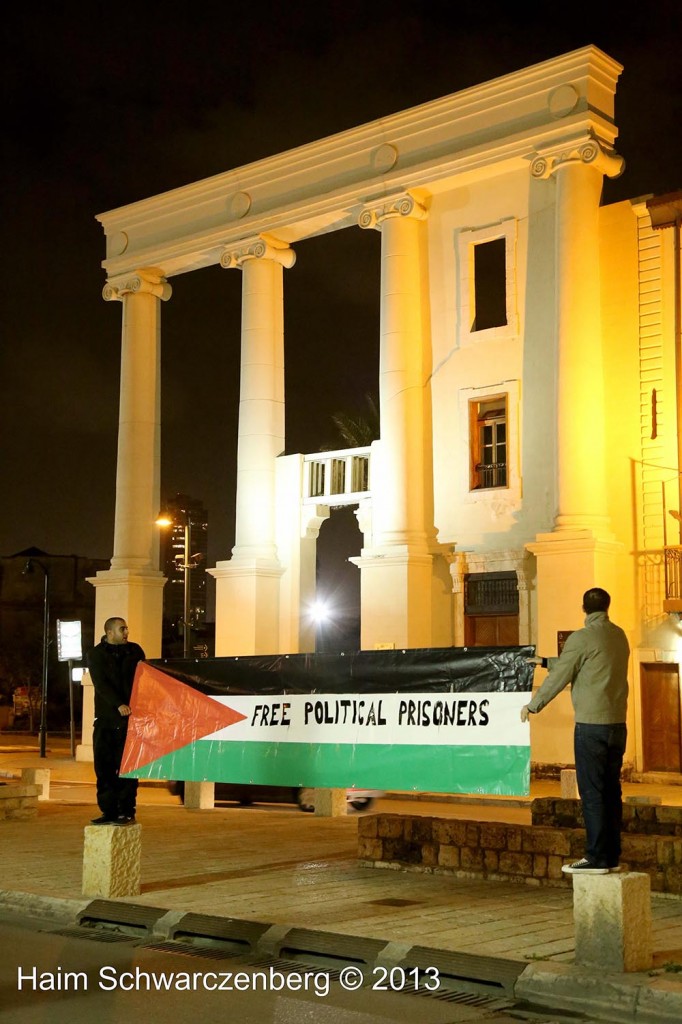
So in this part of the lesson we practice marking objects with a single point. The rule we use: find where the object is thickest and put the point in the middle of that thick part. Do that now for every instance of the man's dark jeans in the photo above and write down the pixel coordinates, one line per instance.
(114, 795)
(599, 753)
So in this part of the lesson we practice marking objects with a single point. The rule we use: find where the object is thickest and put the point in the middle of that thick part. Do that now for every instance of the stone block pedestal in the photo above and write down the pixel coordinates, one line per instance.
(612, 916)
(199, 795)
(111, 860)
(569, 784)
(330, 803)
(37, 777)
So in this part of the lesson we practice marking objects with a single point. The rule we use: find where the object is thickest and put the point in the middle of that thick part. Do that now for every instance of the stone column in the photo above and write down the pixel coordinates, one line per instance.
(133, 587)
(580, 552)
(399, 517)
(138, 469)
(397, 570)
(523, 585)
(247, 585)
(579, 168)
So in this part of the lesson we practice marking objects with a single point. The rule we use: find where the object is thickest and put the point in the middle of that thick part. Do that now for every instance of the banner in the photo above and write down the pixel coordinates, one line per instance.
(437, 720)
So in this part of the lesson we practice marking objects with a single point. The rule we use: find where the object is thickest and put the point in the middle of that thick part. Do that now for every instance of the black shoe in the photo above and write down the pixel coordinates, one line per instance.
(124, 819)
(584, 867)
(103, 819)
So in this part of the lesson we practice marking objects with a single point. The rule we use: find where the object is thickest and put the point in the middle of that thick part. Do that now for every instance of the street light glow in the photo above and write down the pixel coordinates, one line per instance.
(320, 611)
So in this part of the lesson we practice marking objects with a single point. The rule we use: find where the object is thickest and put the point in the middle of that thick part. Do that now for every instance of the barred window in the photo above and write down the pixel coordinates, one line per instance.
(491, 593)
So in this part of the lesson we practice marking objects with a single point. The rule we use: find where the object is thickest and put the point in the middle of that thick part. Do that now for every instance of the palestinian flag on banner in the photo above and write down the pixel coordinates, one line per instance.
(437, 720)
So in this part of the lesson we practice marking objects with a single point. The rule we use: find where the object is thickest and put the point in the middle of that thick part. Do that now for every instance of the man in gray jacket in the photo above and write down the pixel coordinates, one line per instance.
(595, 661)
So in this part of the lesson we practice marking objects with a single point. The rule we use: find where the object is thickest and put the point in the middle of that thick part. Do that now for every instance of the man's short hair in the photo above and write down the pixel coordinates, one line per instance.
(110, 623)
(596, 600)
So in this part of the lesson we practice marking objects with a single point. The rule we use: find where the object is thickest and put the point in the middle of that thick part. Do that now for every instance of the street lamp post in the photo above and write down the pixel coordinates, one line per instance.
(187, 566)
(28, 569)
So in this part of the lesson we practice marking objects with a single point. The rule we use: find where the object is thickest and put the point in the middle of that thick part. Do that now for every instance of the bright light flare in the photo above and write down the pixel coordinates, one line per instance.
(320, 612)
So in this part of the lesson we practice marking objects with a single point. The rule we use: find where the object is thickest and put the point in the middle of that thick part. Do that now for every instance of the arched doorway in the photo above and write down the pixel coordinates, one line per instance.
(338, 583)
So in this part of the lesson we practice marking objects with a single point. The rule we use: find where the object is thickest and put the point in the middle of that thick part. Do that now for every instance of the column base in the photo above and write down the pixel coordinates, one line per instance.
(396, 598)
(569, 563)
(247, 606)
(136, 596)
(597, 526)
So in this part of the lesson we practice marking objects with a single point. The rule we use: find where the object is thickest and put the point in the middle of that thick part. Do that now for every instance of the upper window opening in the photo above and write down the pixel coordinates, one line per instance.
(490, 285)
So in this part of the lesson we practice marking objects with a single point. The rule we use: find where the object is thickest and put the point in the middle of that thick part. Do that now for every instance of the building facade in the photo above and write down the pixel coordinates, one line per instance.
(528, 402)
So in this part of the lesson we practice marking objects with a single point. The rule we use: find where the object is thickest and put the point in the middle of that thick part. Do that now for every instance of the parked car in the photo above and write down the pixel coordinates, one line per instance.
(234, 792)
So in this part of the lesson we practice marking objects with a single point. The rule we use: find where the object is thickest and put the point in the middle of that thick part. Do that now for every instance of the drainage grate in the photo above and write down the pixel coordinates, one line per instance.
(189, 949)
(94, 935)
(136, 918)
(292, 966)
(465, 999)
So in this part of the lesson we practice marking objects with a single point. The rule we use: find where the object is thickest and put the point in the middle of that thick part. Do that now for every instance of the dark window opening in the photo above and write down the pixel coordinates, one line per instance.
(490, 285)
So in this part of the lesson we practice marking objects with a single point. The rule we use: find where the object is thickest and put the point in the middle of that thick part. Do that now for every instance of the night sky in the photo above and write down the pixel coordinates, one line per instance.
(107, 105)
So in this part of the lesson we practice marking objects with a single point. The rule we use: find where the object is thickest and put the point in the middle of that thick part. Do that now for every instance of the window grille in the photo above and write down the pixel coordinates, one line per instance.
(491, 593)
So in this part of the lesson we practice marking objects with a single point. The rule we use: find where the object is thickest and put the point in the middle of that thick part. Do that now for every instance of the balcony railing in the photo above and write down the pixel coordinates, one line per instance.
(491, 474)
(673, 578)
(336, 478)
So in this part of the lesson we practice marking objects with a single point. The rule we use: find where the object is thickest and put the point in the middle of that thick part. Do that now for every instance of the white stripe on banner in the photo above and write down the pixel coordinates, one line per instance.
(472, 719)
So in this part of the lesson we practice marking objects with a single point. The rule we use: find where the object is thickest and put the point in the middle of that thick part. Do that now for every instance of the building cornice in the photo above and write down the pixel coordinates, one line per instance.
(324, 185)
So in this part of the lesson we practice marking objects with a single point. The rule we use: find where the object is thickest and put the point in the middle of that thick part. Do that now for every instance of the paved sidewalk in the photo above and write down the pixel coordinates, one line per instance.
(275, 865)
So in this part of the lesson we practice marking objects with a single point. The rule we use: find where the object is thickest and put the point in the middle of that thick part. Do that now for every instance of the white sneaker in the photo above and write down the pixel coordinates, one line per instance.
(583, 867)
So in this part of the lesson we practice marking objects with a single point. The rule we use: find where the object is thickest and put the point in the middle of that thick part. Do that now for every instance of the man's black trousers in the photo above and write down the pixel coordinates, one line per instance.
(599, 753)
(115, 796)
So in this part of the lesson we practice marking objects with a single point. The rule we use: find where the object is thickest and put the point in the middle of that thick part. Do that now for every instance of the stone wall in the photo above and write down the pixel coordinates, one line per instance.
(642, 819)
(18, 801)
(496, 850)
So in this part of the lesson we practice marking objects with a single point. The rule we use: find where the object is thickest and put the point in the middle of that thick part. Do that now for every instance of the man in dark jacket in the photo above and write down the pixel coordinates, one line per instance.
(112, 667)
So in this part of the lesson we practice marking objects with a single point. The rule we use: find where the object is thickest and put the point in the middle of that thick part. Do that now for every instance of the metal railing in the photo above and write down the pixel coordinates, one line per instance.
(492, 474)
(336, 478)
(673, 572)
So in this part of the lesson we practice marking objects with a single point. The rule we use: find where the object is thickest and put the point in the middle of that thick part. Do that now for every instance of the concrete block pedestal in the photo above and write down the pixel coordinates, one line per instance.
(569, 784)
(199, 796)
(37, 777)
(111, 860)
(612, 916)
(331, 803)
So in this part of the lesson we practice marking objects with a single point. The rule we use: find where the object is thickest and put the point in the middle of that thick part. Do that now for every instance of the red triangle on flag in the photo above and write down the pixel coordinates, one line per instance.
(168, 714)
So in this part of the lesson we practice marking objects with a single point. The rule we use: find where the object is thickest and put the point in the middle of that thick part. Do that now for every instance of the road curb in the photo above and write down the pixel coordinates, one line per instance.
(619, 998)
(48, 908)
(642, 998)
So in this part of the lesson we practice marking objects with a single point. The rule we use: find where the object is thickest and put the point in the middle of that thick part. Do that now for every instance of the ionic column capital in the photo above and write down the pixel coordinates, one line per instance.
(585, 149)
(403, 205)
(262, 247)
(147, 281)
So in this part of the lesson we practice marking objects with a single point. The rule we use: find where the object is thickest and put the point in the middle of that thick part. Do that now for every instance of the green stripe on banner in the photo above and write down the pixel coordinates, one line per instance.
(427, 768)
